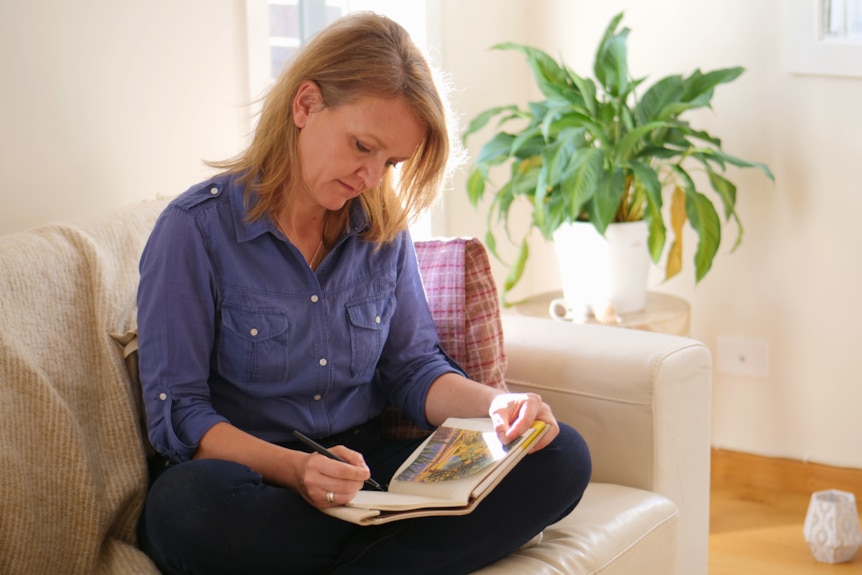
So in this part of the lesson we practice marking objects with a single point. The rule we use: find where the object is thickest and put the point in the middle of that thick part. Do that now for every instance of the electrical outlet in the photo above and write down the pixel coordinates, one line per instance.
(742, 356)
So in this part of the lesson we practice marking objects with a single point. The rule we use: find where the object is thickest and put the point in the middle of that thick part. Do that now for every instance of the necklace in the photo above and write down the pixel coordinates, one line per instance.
(316, 257)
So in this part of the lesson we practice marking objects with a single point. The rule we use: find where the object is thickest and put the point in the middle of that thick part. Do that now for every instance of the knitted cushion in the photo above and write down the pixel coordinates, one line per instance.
(462, 297)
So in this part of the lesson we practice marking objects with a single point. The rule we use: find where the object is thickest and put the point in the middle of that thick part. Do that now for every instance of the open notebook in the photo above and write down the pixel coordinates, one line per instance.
(448, 474)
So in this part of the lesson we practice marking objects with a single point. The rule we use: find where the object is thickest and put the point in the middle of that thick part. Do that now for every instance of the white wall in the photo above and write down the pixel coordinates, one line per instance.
(103, 102)
(796, 278)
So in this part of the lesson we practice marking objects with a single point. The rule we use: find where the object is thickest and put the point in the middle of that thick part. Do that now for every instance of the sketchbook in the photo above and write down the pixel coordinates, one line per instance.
(448, 474)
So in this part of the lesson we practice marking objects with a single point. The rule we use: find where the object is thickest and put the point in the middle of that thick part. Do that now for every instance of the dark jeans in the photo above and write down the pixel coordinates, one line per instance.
(213, 516)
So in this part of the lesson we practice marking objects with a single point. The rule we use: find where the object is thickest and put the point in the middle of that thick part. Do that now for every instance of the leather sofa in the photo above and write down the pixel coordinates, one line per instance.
(642, 402)
(73, 466)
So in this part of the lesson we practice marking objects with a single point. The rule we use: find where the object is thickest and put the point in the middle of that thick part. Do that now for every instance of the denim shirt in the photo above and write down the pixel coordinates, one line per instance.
(235, 326)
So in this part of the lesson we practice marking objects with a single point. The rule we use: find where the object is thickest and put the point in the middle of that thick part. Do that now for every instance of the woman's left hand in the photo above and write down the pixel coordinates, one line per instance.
(514, 413)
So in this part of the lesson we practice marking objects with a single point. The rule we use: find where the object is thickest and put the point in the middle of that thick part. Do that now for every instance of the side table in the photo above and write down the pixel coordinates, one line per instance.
(663, 312)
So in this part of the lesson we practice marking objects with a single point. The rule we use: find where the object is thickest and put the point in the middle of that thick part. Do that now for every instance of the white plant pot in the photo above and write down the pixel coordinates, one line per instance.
(597, 271)
(832, 526)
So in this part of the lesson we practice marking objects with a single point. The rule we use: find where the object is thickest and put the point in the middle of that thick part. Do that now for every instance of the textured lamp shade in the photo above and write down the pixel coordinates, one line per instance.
(832, 526)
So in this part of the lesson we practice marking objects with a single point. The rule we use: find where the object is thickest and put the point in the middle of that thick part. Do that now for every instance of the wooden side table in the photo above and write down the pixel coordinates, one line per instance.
(664, 313)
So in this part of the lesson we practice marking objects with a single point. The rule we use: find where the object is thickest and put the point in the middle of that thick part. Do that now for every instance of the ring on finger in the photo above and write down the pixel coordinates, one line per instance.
(330, 497)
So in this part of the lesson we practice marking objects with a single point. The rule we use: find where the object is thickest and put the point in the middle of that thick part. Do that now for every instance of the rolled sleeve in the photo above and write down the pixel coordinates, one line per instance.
(175, 325)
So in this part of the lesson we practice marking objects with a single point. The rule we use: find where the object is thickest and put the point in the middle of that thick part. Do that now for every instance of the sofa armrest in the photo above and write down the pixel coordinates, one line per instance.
(640, 399)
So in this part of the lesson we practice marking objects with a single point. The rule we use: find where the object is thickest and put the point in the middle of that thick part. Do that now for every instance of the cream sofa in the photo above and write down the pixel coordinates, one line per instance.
(72, 463)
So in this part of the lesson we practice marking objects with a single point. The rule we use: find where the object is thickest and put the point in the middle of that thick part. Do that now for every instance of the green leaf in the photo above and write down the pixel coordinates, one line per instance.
(664, 92)
(628, 142)
(605, 63)
(657, 232)
(649, 153)
(523, 138)
(738, 162)
(606, 199)
(500, 203)
(555, 158)
(517, 269)
(726, 190)
(701, 135)
(555, 215)
(578, 120)
(526, 177)
(611, 28)
(686, 182)
(550, 77)
(475, 186)
(496, 150)
(483, 118)
(647, 177)
(539, 205)
(587, 88)
(611, 67)
(700, 85)
(580, 180)
(491, 244)
(528, 148)
(704, 220)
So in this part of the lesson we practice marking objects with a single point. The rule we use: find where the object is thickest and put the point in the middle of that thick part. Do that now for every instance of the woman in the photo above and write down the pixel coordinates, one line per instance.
(284, 295)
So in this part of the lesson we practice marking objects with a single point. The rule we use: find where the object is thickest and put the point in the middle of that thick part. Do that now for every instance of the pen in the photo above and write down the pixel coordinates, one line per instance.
(323, 451)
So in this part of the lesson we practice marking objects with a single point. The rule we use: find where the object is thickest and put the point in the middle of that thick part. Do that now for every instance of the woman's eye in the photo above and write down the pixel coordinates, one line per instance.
(362, 148)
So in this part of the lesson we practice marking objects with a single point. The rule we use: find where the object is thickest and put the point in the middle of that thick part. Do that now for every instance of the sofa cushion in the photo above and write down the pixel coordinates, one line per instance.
(462, 298)
(614, 530)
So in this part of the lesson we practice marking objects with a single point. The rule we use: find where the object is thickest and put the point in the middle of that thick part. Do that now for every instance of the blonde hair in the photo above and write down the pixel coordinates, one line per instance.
(358, 55)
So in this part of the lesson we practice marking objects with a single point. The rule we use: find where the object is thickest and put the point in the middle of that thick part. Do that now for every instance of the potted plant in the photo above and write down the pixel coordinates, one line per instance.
(605, 152)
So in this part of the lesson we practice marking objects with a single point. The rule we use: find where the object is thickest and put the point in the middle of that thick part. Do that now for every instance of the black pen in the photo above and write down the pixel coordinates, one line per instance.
(323, 451)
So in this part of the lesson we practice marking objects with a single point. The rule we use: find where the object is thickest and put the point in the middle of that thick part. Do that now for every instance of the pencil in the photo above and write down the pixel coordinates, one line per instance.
(323, 451)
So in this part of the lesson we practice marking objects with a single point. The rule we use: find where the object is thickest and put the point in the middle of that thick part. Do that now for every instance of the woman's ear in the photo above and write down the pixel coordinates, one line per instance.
(308, 100)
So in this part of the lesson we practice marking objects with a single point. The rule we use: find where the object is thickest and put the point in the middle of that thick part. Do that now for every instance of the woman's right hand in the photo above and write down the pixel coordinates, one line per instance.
(318, 476)
(310, 474)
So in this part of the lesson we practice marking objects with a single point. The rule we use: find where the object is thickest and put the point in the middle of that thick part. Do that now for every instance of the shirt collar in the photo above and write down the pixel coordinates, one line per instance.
(247, 230)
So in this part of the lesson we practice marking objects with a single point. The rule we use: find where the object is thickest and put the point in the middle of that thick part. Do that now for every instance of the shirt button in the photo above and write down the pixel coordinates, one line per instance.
(322, 361)
(316, 398)
(253, 331)
(163, 396)
(377, 319)
(213, 191)
(314, 299)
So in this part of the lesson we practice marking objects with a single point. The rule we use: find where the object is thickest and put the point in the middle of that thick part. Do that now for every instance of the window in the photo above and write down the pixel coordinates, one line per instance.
(291, 22)
(841, 20)
(277, 28)
(823, 37)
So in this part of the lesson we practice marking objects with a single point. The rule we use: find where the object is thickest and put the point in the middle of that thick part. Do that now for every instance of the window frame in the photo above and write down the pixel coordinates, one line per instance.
(807, 52)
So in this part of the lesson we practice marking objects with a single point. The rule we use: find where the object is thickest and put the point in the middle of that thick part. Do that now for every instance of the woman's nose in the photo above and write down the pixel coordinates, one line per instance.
(371, 173)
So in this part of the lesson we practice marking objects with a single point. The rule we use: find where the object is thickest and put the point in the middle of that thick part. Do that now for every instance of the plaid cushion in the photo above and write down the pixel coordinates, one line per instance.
(462, 297)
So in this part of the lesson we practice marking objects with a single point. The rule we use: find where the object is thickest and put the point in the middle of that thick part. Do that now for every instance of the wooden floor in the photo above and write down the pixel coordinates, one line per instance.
(757, 509)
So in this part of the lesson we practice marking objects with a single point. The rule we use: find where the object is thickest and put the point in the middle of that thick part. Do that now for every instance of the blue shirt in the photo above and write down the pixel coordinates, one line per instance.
(235, 326)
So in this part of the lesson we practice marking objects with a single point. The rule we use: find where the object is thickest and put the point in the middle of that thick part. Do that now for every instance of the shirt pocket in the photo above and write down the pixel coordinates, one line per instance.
(253, 345)
(369, 326)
